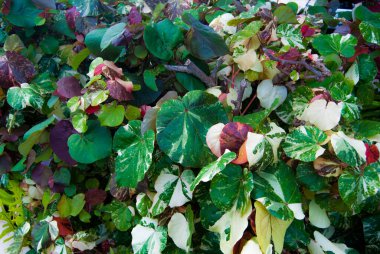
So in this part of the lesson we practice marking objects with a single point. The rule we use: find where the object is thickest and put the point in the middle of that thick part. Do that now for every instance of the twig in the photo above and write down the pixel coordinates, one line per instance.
(191, 68)
(249, 104)
(318, 74)
(214, 72)
(238, 102)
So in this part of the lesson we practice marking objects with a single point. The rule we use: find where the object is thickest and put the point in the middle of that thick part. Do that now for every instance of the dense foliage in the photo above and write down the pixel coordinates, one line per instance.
(189, 127)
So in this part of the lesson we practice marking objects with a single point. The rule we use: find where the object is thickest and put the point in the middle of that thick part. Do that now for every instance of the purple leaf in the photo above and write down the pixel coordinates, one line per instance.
(119, 90)
(68, 87)
(94, 197)
(15, 69)
(71, 15)
(134, 16)
(58, 140)
(41, 175)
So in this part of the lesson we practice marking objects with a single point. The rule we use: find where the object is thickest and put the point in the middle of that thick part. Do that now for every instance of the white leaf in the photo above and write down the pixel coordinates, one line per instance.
(318, 216)
(231, 227)
(212, 138)
(324, 115)
(267, 93)
(297, 210)
(327, 245)
(353, 73)
(179, 231)
(251, 247)
(253, 142)
(249, 61)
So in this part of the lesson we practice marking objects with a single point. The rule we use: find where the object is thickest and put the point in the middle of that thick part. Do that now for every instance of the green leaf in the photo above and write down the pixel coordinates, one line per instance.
(231, 186)
(335, 44)
(13, 43)
(255, 120)
(276, 188)
(23, 13)
(308, 177)
(142, 204)
(77, 204)
(90, 7)
(370, 25)
(111, 34)
(93, 40)
(79, 121)
(173, 189)
(304, 143)
(247, 32)
(95, 144)
(39, 127)
(367, 68)
(150, 79)
(26, 95)
(356, 186)
(296, 235)
(121, 214)
(285, 14)
(134, 153)
(148, 237)
(189, 81)
(366, 128)
(182, 126)
(40, 235)
(49, 45)
(348, 150)
(371, 228)
(161, 38)
(111, 115)
(75, 60)
(208, 172)
(202, 41)
(290, 35)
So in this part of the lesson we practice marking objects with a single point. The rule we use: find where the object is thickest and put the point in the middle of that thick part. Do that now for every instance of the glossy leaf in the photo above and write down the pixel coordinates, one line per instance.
(182, 126)
(134, 153)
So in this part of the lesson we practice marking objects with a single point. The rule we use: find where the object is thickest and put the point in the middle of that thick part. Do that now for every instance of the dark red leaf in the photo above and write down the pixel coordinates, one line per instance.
(359, 50)
(307, 31)
(94, 197)
(64, 226)
(92, 109)
(68, 87)
(233, 136)
(15, 69)
(372, 153)
(71, 15)
(292, 54)
(58, 140)
(118, 91)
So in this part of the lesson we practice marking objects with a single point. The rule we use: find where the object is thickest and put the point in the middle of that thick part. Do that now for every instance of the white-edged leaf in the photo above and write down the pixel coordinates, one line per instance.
(173, 189)
(207, 173)
(304, 143)
(348, 150)
(267, 93)
(148, 237)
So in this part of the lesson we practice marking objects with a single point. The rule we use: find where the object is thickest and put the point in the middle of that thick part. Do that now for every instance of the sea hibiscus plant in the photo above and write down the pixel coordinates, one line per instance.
(189, 126)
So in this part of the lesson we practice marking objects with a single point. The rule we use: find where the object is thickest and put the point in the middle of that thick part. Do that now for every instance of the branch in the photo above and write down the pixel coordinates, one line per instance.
(318, 73)
(238, 102)
(190, 68)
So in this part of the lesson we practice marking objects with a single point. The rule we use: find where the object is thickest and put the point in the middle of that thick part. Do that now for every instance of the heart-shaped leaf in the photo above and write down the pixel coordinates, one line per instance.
(304, 143)
(276, 188)
(134, 153)
(335, 44)
(95, 144)
(182, 126)
(161, 38)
